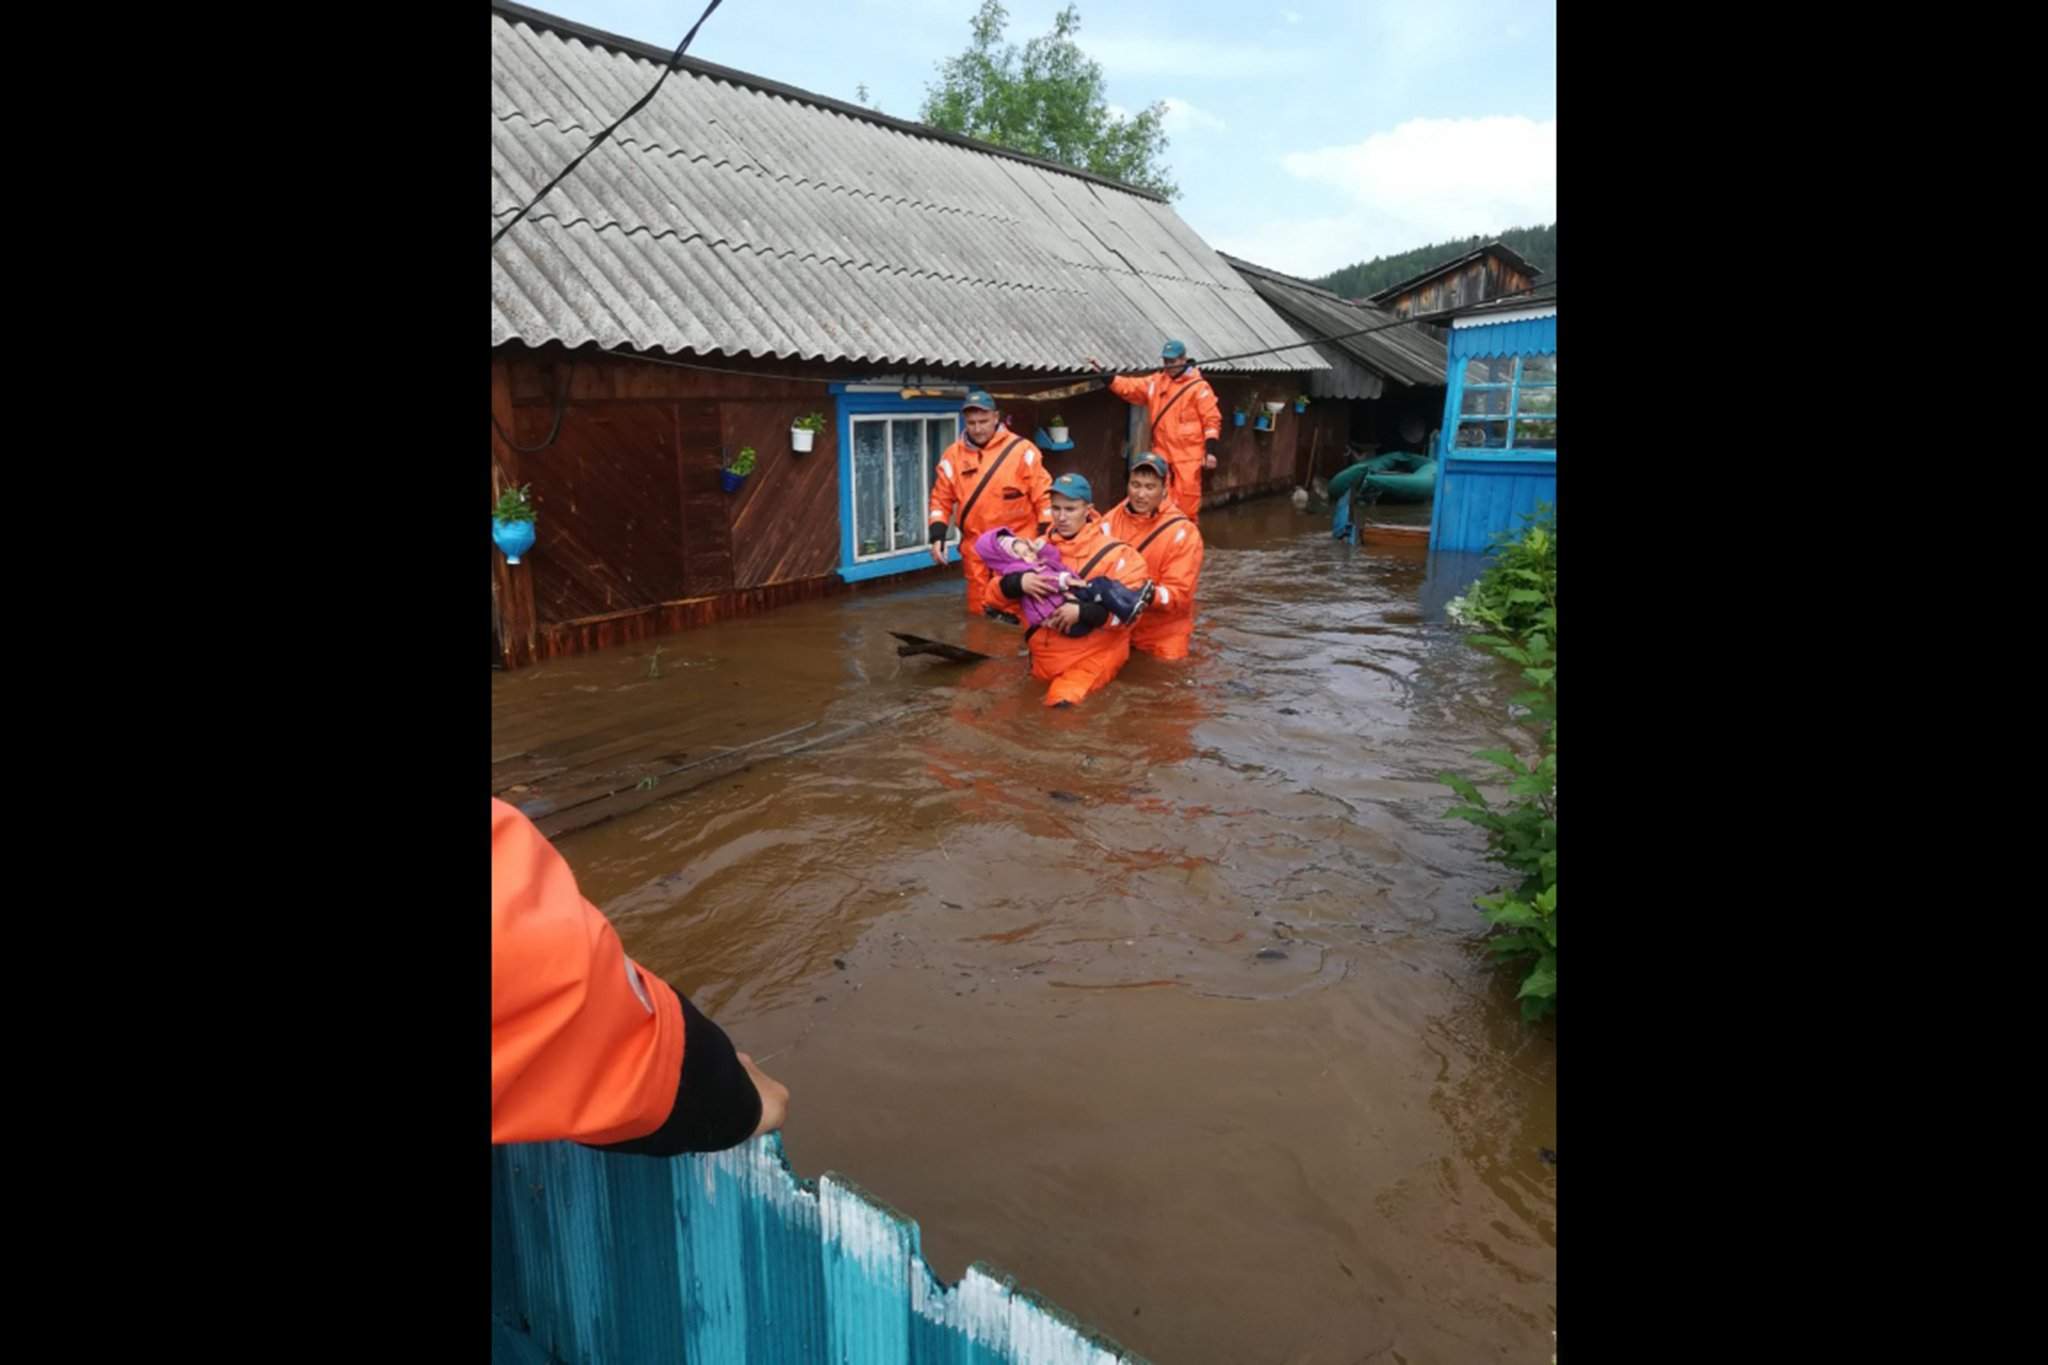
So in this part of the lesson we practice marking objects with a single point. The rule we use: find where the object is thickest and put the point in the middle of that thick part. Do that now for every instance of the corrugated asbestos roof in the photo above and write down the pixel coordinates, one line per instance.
(1407, 355)
(739, 216)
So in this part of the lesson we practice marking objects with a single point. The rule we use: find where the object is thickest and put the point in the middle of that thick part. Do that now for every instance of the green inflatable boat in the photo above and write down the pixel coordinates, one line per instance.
(1396, 476)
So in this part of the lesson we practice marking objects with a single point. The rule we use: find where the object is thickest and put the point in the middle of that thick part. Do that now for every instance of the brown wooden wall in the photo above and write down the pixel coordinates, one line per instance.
(1486, 278)
(636, 536)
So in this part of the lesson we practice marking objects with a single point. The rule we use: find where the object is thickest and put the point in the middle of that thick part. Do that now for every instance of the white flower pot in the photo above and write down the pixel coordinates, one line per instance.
(801, 438)
(1274, 408)
(1058, 434)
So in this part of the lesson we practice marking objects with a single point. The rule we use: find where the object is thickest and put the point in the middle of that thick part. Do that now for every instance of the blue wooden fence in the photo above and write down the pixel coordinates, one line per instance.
(601, 1259)
(1480, 491)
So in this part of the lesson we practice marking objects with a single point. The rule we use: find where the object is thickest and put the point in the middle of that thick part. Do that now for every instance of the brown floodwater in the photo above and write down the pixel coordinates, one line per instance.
(1169, 1005)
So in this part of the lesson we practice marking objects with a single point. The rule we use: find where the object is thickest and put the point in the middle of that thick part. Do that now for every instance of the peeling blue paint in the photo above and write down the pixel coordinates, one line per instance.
(601, 1259)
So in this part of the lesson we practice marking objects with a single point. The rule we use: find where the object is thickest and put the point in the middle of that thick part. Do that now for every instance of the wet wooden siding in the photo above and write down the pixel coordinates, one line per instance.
(637, 538)
(600, 1259)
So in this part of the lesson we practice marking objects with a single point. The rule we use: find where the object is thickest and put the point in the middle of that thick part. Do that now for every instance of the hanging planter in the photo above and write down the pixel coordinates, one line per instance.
(1056, 427)
(804, 431)
(731, 476)
(1237, 417)
(1265, 422)
(512, 522)
(1273, 409)
(1301, 403)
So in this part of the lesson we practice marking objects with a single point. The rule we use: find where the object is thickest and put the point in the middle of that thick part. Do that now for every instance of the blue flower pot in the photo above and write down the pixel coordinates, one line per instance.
(515, 538)
(730, 481)
(1300, 407)
(1264, 423)
(1237, 419)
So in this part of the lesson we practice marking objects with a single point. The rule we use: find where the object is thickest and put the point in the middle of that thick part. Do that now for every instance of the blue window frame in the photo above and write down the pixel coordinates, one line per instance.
(889, 450)
(1508, 402)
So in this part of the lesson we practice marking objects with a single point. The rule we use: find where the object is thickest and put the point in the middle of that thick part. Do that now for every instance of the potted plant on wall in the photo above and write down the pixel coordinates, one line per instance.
(804, 430)
(1056, 427)
(731, 476)
(1273, 407)
(1301, 402)
(1238, 410)
(512, 522)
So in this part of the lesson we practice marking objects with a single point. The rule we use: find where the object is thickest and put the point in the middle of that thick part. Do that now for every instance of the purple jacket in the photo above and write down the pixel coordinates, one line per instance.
(1035, 609)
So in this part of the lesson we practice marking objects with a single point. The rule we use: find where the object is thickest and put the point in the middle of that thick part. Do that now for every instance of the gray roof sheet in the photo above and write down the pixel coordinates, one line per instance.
(1407, 354)
(738, 216)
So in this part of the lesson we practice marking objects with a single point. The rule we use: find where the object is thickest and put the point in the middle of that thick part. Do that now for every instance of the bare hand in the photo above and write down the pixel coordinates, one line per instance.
(1066, 618)
(1208, 462)
(774, 1097)
(938, 552)
(1039, 585)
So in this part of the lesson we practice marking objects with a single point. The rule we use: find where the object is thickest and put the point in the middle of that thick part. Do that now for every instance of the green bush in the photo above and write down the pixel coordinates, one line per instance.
(1516, 601)
(514, 504)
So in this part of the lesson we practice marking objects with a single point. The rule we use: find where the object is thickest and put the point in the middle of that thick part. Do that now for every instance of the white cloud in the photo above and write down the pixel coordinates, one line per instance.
(1291, 16)
(1428, 180)
(1184, 117)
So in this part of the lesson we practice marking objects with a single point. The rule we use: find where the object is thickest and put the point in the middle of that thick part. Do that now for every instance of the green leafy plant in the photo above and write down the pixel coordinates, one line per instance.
(1302, 399)
(514, 504)
(1055, 421)
(814, 422)
(744, 464)
(1516, 598)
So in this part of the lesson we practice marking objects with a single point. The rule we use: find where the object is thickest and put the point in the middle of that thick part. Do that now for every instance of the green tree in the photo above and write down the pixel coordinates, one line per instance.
(1046, 100)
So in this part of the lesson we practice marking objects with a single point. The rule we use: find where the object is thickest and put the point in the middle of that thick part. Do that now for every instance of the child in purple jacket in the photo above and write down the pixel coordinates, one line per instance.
(1003, 552)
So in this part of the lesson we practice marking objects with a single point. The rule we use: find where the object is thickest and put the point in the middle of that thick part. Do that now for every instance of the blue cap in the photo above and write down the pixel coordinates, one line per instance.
(1073, 486)
(1173, 350)
(1153, 463)
(978, 398)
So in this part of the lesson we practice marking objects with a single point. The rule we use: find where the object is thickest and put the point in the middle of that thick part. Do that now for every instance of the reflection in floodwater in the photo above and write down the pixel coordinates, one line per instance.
(1168, 1004)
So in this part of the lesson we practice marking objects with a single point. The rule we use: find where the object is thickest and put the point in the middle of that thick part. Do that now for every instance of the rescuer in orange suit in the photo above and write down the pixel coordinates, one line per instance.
(1076, 665)
(991, 477)
(1171, 544)
(586, 1045)
(1187, 425)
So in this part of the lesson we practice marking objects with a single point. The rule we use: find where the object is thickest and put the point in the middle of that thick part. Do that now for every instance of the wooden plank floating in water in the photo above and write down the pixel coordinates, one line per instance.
(603, 1259)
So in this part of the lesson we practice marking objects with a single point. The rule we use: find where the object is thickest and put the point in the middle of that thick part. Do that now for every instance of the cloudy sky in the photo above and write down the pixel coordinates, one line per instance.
(1306, 134)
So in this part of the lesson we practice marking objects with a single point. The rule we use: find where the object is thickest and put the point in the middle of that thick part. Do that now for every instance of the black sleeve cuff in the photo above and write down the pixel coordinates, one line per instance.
(1215, 446)
(716, 1105)
(1093, 614)
(938, 532)
(1013, 584)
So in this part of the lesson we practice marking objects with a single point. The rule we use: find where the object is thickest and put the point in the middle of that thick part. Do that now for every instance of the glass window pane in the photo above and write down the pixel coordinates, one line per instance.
(906, 465)
(1536, 435)
(1541, 402)
(1484, 402)
(870, 486)
(1539, 369)
(1490, 369)
(1489, 434)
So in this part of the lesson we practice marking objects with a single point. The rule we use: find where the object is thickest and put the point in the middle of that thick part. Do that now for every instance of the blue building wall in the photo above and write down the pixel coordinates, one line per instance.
(1481, 492)
(602, 1259)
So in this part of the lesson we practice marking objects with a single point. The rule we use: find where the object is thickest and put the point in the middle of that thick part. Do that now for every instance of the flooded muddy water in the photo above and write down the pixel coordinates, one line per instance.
(1169, 1005)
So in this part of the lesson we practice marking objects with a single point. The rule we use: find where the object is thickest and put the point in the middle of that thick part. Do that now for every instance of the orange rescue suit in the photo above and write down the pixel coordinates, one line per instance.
(1077, 665)
(585, 1044)
(1004, 484)
(1191, 419)
(1172, 546)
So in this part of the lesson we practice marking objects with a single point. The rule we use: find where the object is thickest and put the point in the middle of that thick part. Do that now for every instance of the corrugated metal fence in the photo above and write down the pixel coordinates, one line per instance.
(600, 1259)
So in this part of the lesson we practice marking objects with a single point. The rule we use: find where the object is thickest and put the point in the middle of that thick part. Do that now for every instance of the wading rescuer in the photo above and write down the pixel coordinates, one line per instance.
(588, 1046)
(993, 478)
(1187, 425)
(1171, 544)
(1077, 665)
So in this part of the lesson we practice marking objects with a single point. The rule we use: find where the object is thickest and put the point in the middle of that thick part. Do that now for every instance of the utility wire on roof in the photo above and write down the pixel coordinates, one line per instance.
(638, 105)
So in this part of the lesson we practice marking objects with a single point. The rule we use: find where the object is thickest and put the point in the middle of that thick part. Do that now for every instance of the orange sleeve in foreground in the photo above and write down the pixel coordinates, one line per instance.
(585, 1045)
